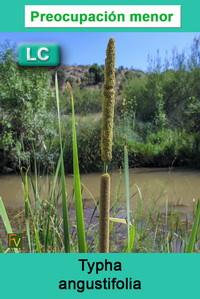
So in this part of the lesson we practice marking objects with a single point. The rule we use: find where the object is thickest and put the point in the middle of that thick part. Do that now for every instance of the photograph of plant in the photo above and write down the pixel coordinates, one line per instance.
(101, 158)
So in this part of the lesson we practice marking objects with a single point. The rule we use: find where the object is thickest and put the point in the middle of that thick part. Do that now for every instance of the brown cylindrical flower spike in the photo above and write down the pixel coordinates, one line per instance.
(104, 213)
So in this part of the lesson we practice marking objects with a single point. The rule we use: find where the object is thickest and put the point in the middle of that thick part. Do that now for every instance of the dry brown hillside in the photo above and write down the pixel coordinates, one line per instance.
(90, 75)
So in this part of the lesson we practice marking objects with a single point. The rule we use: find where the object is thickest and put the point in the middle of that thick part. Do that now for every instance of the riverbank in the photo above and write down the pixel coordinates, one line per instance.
(156, 231)
(162, 203)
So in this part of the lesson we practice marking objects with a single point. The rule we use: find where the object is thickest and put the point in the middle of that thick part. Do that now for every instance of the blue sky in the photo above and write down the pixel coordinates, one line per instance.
(132, 48)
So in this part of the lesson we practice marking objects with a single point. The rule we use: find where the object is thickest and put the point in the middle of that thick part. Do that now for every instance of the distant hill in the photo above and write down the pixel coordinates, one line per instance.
(89, 75)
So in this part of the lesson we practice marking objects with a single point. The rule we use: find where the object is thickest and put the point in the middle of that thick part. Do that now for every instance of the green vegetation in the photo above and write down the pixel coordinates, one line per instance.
(193, 235)
(62, 169)
(157, 112)
(153, 230)
(156, 124)
(77, 184)
(6, 222)
(130, 226)
(24, 119)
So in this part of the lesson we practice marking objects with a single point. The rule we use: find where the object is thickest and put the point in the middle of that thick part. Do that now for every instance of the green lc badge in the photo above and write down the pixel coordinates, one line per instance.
(38, 54)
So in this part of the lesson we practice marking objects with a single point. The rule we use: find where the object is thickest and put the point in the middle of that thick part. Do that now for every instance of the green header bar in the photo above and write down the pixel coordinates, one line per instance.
(13, 16)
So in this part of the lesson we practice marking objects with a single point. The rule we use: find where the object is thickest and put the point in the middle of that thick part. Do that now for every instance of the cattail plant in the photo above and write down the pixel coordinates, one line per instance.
(104, 213)
(106, 144)
(108, 104)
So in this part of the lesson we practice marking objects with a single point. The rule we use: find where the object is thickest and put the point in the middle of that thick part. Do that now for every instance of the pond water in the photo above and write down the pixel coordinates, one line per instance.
(177, 186)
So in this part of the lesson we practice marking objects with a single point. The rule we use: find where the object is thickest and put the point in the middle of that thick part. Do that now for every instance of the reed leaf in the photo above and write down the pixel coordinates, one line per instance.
(52, 193)
(130, 227)
(126, 173)
(192, 239)
(6, 221)
(118, 220)
(77, 184)
(131, 239)
(64, 195)
(1, 248)
(26, 202)
(37, 241)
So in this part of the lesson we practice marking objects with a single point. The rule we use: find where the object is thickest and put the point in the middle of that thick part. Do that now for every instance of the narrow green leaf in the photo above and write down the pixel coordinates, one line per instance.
(55, 203)
(55, 180)
(128, 211)
(77, 184)
(6, 221)
(64, 195)
(118, 220)
(26, 201)
(131, 239)
(65, 211)
(37, 241)
(1, 248)
(192, 239)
